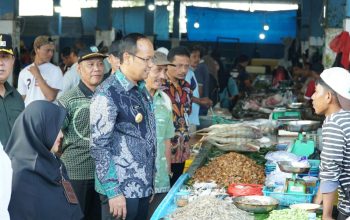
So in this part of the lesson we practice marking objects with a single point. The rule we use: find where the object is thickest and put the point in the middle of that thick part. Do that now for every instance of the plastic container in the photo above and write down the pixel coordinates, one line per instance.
(310, 181)
(182, 198)
(287, 199)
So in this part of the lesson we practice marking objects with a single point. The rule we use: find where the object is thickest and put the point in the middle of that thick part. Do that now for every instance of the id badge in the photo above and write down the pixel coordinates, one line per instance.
(69, 192)
(186, 119)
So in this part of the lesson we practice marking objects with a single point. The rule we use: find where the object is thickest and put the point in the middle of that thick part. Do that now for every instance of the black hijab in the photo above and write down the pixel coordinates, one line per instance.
(36, 191)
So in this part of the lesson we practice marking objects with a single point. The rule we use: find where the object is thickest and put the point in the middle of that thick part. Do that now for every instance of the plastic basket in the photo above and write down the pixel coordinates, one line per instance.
(287, 199)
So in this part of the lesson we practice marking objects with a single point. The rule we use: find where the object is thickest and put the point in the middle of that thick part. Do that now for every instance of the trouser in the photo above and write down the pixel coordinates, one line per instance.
(341, 216)
(177, 170)
(136, 209)
(88, 198)
(157, 199)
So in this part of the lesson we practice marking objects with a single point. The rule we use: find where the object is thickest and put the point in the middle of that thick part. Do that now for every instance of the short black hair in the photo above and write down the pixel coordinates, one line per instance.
(129, 44)
(178, 51)
(74, 50)
(65, 52)
(197, 47)
(242, 59)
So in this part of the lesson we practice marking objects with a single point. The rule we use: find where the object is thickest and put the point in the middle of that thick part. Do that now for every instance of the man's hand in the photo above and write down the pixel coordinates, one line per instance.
(152, 197)
(205, 101)
(117, 207)
(34, 70)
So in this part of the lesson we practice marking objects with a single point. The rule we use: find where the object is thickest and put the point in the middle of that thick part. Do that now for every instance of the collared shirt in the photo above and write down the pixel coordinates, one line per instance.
(123, 138)
(76, 130)
(180, 96)
(335, 160)
(11, 105)
(165, 130)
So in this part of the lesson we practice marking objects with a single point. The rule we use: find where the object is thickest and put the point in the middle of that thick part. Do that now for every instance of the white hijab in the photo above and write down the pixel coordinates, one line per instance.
(5, 184)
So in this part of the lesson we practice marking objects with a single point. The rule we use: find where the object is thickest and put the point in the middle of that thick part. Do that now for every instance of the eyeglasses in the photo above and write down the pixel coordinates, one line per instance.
(146, 60)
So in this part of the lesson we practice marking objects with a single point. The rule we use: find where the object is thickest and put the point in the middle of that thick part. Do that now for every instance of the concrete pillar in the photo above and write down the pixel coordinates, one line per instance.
(175, 40)
(149, 18)
(104, 29)
(9, 25)
(176, 23)
(346, 23)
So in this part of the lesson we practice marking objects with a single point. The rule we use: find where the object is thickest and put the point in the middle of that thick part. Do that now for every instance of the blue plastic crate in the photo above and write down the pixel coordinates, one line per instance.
(287, 199)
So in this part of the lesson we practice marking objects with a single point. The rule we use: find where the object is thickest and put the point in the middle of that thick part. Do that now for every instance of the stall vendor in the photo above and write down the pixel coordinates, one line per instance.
(331, 98)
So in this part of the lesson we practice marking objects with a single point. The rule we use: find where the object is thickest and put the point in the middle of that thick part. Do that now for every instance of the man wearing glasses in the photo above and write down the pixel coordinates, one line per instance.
(11, 102)
(41, 80)
(123, 134)
(180, 94)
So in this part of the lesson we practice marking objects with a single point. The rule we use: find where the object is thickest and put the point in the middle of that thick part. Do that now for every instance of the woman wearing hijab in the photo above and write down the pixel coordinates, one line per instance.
(5, 184)
(40, 188)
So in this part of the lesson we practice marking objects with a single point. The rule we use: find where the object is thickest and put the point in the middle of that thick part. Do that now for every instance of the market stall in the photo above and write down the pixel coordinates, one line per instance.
(244, 159)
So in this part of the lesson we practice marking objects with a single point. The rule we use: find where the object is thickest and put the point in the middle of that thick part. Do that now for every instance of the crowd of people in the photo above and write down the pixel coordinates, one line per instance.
(108, 143)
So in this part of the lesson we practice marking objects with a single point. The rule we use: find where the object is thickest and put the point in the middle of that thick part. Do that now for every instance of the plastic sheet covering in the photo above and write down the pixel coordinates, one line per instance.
(246, 26)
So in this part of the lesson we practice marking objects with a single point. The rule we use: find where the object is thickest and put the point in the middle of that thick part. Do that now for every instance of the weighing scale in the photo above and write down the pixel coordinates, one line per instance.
(304, 145)
(294, 185)
(284, 114)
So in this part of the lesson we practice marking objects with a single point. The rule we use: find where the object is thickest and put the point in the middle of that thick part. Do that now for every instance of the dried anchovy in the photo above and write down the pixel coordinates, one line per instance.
(210, 208)
(231, 168)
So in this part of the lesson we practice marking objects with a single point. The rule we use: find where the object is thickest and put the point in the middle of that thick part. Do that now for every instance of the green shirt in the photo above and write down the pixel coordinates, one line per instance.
(76, 130)
(11, 105)
(165, 130)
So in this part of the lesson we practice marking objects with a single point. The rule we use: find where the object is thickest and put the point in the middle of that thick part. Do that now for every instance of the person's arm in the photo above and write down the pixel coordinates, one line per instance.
(330, 170)
(169, 133)
(207, 102)
(49, 93)
(167, 144)
(21, 86)
(103, 115)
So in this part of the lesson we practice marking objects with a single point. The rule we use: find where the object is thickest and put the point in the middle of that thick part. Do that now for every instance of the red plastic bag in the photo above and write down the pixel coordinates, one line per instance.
(245, 190)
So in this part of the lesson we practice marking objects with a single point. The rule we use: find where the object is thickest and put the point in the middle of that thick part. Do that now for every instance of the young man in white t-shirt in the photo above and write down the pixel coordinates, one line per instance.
(41, 80)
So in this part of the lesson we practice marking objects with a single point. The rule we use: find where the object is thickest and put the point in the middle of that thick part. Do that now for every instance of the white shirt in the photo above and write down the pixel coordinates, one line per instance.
(70, 79)
(26, 82)
(5, 184)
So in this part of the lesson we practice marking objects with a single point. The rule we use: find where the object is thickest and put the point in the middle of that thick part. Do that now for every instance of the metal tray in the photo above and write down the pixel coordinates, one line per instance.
(256, 204)
(302, 125)
(287, 167)
(296, 105)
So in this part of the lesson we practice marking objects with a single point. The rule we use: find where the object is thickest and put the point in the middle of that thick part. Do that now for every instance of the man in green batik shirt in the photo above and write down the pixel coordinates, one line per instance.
(164, 126)
(76, 130)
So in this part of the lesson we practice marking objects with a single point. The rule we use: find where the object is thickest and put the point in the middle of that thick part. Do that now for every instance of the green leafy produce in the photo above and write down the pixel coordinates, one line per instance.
(290, 214)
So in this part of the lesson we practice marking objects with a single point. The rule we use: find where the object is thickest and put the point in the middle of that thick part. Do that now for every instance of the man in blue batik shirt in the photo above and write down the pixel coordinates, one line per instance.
(123, 134)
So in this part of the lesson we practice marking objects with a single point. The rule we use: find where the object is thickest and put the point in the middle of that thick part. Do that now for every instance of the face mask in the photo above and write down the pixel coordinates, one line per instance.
(234, 73)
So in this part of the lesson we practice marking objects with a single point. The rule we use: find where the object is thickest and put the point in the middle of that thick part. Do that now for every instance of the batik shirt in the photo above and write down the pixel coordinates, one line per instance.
(165, 130)
(123, 138)
(180, 96)
(76, 131)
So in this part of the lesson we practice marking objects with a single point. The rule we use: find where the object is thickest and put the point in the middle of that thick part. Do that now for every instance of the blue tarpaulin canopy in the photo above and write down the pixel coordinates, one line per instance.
(246, 26)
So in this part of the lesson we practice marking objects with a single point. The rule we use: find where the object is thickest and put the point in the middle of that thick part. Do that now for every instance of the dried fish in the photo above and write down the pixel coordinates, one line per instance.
(231, 168)
(210, 208)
